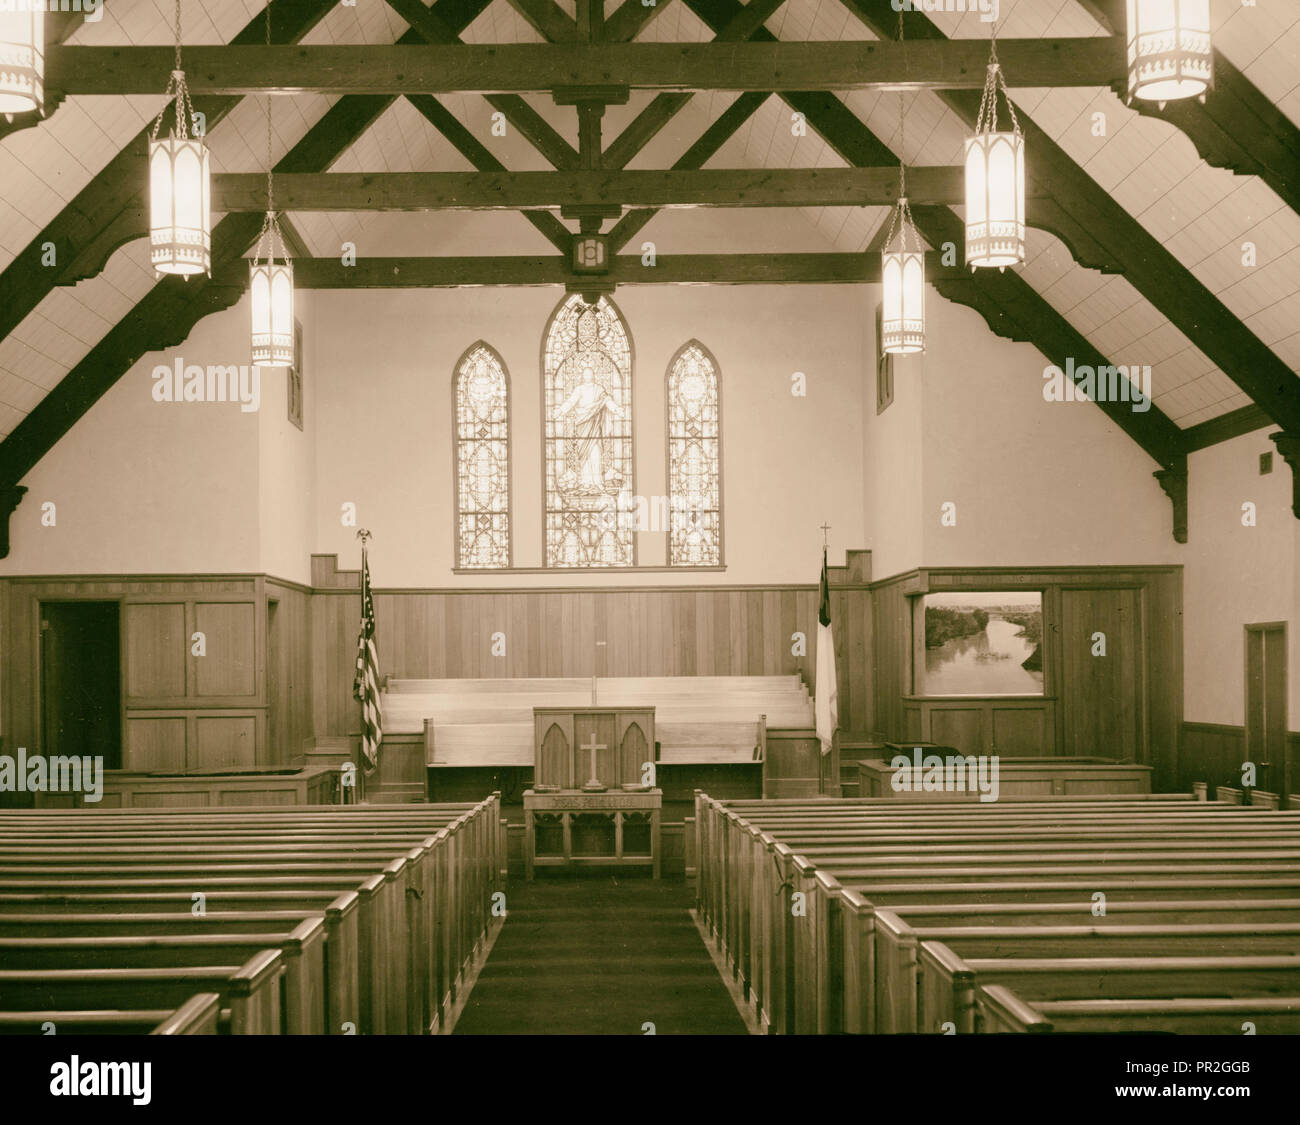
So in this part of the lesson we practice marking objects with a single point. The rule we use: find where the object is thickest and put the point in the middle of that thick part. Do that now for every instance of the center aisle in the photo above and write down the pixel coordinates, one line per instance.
(596, 956)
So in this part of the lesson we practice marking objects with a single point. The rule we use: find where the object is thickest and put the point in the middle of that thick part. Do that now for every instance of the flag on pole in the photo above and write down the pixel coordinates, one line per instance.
(826, 705)
(365, 686)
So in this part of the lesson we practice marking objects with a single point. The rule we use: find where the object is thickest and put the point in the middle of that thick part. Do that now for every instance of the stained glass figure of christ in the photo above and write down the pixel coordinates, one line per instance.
(587, 379)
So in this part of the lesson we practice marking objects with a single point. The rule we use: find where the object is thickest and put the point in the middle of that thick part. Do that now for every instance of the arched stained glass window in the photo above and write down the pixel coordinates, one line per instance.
(482, 405)
(694, 459)
(587, 400)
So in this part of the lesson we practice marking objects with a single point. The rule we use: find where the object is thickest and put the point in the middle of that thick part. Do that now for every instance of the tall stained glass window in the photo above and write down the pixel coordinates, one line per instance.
(482, 392)
(587, 388)
(694, 463)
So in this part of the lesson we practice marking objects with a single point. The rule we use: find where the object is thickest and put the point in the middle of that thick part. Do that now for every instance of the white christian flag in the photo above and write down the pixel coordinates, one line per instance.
(365, 685)
(826, 705)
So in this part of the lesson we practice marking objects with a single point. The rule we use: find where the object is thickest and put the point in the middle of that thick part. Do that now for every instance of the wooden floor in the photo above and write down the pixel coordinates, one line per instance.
(599, 955)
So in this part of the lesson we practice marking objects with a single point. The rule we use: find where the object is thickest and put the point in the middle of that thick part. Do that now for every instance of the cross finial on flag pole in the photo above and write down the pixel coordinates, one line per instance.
(826, 535)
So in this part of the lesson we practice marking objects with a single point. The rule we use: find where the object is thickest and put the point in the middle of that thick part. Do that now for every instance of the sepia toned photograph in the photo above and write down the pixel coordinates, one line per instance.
(648, 518)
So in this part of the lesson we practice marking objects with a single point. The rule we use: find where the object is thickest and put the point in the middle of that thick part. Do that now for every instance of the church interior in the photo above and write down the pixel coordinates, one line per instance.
(649, 517)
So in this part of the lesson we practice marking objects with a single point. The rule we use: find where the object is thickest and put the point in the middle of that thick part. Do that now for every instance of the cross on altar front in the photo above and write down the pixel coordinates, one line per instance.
(593, 783)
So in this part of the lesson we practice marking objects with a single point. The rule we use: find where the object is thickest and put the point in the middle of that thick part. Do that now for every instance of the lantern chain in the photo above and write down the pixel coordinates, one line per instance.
(994, 79)
(270, 234)
(901, 222)
(177, 90)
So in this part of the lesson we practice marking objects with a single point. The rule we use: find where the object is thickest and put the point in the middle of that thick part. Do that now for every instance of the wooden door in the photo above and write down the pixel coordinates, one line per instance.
(81, 686)
(1266, 706)
(1101, 690)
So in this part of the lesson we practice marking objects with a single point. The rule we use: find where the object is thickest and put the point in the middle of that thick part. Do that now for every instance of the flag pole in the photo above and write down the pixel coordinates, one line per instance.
(365, 687)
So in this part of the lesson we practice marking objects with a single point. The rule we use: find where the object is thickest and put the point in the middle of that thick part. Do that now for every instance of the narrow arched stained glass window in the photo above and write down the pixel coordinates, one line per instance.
(482, 392)
(694, 459)
(587, 404)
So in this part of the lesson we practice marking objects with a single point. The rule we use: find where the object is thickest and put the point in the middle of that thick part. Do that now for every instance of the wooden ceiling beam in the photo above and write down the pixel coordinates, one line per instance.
(664, 107)
(706, 145)
(427, 27)
(1009, 304)
(473, 150)
(516, 191)
(1155, 272)
(628, 20)
(1236, 127)
(548, 19)
(58, 26)
(625, 269)
(110, 208)
(530, 67)
(169, 311)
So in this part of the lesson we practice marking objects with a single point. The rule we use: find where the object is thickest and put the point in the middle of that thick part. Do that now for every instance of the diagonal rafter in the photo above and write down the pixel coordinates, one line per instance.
(109, 210)
(59, 26)
(712, 139)
(167, 313)
(630, 18)
(548, 19)
(473, 150)
(1155, 272)
(1237, 127)
(663, 107)
(426, 24)
(1011, 306)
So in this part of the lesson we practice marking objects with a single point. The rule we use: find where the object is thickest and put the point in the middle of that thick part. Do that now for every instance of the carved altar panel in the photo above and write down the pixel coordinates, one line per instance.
(622, 740)
(554, 760)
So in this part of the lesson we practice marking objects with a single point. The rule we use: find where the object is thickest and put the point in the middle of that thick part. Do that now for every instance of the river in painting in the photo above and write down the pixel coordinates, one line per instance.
(989, 662)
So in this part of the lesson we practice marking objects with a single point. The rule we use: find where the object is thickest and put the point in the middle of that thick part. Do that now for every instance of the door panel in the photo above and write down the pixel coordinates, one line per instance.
(1101, 694)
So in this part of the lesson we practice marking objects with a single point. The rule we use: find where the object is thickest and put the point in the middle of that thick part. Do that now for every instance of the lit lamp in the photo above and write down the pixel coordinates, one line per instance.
(270, 276)
(995, 183)
(902, 322)
(271, 282)
(22, 59)
(179, 232)
(180, 235)
(1169, 52)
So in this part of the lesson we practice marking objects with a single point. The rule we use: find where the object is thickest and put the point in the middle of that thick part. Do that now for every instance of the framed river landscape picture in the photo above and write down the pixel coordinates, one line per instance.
(982, 644)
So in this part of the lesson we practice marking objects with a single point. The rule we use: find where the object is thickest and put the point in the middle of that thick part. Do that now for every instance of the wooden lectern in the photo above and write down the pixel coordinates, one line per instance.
(593, 799)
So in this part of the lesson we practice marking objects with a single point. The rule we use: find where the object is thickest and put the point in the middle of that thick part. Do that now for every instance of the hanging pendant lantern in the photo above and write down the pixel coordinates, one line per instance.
(271, 283)
(180, 232)
(902, 323)
(995, 183)
(1169, 51)
(22, 58)
(270, 276)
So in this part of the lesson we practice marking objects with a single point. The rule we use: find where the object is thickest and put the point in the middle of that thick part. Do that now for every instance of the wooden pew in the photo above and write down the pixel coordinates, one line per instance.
(1265, 1015)
(251, 990)
(949, 983)
(898, 946)
(201, 1014)
(740, 868)
(448, 877)
(302, 949)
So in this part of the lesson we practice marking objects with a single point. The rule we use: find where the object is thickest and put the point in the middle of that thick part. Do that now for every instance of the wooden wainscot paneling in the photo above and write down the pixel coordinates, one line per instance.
(208, 739)
(291, 733)
(155, 742)
(1014, 726)
(1124, 705)
(223, 741)
(155, 650)
(647, 631)
(228, 666)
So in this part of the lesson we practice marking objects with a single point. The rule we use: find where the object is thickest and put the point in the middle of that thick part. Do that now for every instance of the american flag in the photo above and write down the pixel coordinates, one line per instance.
(365, 687)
